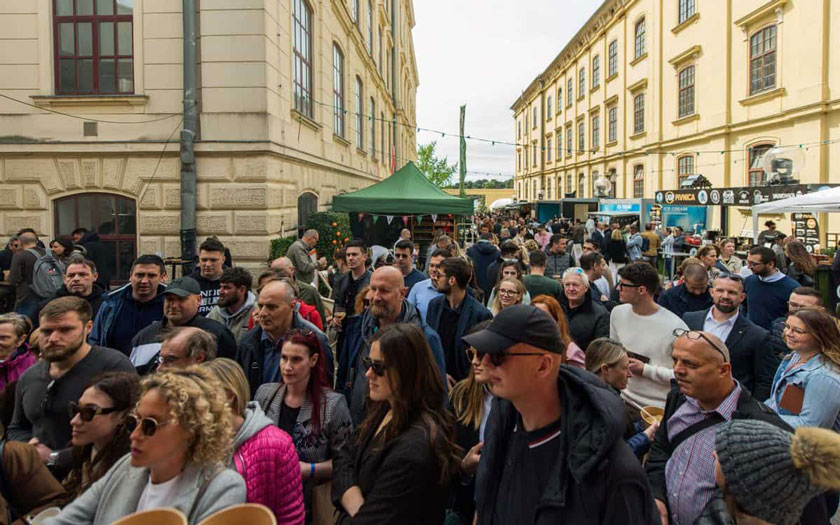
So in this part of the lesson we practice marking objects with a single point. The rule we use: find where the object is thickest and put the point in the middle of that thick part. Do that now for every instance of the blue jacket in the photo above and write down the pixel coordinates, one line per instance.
(472, 313)
(820, 379)
(679, 300)
(350, 378)
(109, 311)
(250, 354)
(634, 247)
(753, 355)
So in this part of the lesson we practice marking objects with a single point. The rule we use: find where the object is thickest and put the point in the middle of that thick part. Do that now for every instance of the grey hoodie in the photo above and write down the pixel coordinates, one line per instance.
(236, 322)
(255, 420)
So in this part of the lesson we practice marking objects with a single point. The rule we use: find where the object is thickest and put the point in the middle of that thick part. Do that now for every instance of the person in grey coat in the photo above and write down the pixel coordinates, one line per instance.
(180, 437)
(298, 252)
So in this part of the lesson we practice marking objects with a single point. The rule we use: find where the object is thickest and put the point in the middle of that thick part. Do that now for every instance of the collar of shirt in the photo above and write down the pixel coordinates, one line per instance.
(725, 409)
(458, 309)
(728, 324)
(267, 341)
(808, 366)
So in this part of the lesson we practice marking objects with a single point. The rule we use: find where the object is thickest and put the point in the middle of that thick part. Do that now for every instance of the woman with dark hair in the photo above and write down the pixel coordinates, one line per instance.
(404, 456)
(574, 355)
(508, 270)
(62, 249)
(100, 435)
(306, 408)
(801, 264)
(806, 388)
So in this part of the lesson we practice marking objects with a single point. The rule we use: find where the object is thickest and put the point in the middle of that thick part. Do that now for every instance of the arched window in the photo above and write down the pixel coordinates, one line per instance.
(307, 205)
(112, 217)
(638, 181)
(757, 175)
(685, 168)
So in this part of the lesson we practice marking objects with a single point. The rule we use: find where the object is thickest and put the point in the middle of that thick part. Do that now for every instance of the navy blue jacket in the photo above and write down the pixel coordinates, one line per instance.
(753, 355)
(472, 313)
(483, 254)
(680, 301)
(109, 312)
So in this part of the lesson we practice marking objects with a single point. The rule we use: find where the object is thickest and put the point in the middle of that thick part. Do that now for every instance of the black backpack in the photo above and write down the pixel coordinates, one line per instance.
(645, 243)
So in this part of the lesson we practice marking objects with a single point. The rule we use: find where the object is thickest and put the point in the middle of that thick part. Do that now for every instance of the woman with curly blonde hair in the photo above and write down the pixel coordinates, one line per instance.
(181, 437)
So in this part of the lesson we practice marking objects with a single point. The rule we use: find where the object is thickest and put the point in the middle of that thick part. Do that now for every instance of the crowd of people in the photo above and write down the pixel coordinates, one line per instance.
(547, 373)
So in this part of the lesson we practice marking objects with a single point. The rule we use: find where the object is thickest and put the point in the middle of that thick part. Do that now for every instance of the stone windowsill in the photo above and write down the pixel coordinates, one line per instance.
(762, 96)
(89, 100)
(612, 77)
(686, 119)
(639, 135)
(595, 88)
(308, 122)
(610, 144)
(341, 140)
(637, 60)
(685, 23)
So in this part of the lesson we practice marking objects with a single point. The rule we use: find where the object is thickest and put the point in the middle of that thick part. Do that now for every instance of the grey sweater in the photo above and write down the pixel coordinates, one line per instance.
(118, 492)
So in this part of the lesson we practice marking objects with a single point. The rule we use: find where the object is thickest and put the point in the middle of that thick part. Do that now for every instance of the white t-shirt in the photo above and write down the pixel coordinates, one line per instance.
(159, 495)
(650, 336)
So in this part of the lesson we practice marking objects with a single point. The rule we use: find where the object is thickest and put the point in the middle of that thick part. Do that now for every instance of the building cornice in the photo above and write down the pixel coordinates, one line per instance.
(689, 54)
(758, 15)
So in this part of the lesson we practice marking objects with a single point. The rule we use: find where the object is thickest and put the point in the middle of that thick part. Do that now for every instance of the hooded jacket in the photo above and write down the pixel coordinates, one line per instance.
(483, 254)
(265, 457)
(351, 380)
(679, 300)
(109, 312)
(236, 322)
(596, 478)
(101, 256)
(588, 321)
(557, 263)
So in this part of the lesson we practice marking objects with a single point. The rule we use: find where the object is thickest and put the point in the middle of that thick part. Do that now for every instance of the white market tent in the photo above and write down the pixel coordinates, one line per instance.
(499, 204)
(827, 200)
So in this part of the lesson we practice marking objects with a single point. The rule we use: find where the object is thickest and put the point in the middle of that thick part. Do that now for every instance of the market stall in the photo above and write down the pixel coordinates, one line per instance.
(406, 199)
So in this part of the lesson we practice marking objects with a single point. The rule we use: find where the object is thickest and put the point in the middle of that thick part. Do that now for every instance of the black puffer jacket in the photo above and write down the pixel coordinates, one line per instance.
(596, 480)
(588, 321)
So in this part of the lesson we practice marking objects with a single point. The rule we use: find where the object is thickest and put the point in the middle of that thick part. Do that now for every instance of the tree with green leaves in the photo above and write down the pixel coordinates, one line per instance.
(435, 169)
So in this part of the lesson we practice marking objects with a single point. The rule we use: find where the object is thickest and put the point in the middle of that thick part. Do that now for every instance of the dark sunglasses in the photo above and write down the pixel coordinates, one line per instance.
(87, 413)
(378, 367)
(627, 285)
(497, 358)
(402, 256)
(148, 425)
(694, 335)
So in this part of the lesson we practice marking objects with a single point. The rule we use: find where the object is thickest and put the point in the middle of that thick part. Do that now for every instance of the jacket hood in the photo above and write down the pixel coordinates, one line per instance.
(89, 237)
(485, 247)
(595, 419)
(255, 420)
(250, 299)
(97, 290)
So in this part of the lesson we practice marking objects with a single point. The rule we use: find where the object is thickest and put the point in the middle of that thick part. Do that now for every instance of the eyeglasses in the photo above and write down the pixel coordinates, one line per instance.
(694, 335)
(794, 330)
(377, 366)
(148, 425)
(508, 292)
(168, 360)
(620, 284)
(497, 359)
(88, 412)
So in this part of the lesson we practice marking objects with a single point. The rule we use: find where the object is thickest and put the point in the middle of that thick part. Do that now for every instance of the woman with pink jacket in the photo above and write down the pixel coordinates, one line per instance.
(15, 357)
(263, 454)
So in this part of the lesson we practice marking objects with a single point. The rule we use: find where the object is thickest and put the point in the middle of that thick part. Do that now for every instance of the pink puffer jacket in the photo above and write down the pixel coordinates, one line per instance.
(265, 456)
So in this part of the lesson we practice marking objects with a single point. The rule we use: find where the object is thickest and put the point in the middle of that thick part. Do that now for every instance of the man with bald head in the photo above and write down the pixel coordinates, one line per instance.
(681, 465)
(259, 350)
(306, 292)
(185, 346)
(387, 306)
(690, 296)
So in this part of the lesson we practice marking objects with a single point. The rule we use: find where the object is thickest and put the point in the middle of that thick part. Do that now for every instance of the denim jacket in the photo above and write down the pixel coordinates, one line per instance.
(821, 382)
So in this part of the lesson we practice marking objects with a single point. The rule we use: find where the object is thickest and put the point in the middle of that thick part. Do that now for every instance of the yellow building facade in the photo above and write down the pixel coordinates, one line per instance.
(297, 101)
(649, 92)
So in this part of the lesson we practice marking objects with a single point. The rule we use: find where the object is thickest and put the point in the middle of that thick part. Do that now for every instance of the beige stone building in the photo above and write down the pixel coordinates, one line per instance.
(298, 100)
(649, 92)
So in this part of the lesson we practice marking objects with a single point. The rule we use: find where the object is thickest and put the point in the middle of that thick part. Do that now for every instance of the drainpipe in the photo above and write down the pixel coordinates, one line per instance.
(394, 76)
(188, 136)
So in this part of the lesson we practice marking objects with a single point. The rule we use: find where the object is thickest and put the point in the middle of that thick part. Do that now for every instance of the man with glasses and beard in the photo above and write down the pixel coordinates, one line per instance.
(68, 364)
(553, 447)
(753, 356)
(768, 289)
(423, 292)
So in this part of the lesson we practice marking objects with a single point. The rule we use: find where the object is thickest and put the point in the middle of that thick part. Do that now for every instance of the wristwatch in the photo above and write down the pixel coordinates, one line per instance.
(52, 459)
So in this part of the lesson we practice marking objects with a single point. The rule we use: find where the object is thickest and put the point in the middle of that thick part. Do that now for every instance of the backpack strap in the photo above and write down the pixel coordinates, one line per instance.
(710, 421)
(208, 479)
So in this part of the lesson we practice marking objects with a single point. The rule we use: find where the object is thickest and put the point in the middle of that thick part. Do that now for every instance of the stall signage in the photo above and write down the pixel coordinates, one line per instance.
(619, 207)
(746, 196)
(807, 229)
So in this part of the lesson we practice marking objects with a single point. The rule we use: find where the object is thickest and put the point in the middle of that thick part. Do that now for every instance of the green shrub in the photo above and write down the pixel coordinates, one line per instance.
(280, 246)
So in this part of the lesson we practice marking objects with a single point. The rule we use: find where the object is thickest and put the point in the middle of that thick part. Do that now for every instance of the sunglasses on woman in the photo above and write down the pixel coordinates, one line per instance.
(148, 425)
(88, 412)
(378, 367)
(497, 359)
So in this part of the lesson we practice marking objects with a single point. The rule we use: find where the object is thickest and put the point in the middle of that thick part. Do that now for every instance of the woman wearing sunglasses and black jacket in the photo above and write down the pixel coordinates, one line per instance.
(403, 457)
(180, 438)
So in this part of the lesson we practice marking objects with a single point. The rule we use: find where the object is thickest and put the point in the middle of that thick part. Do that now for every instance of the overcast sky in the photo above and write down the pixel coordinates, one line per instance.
(484, 53)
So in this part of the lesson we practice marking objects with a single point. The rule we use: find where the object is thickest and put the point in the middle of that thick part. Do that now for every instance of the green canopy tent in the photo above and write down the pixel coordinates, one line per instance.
(406, 192)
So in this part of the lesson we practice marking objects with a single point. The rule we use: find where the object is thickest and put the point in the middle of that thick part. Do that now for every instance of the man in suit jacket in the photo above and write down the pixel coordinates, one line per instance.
(753, 354)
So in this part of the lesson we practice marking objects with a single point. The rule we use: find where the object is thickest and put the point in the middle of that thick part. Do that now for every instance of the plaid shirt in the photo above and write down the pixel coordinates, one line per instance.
(690, 473)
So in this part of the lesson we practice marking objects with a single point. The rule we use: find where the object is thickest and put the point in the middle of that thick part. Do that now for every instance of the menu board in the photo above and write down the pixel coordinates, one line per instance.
(807, 230)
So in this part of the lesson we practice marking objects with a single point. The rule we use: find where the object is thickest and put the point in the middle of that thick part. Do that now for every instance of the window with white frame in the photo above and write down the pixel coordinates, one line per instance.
(372, 128)
(548, 108)
(638, 181)
(763, 60)
(639, 113)
(581, 185)
(302, 45)
(338, 91)
(569, 140)
(370, 27)
(559, 100)
(534, 120)
(559, 134)
(581, 82)
(581, 136)
(686, 10)
(686, 95)
(569, 94)
(596, 131)
(640, 46)
(612, 124)
(549, 140)
(685, 168)
(596, 71)
(613, 59)
(360, 130)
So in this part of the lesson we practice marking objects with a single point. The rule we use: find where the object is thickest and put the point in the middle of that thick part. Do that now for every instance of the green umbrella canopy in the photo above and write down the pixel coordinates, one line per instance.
(406, 192)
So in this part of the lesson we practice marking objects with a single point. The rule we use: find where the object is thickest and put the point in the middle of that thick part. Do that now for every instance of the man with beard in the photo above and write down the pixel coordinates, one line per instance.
(422, 293)
(80, 281)
(388, 306)
(768, 289)
(236, 301)
(181, 301)
(752, 354)
(68, 364)
(452, 316)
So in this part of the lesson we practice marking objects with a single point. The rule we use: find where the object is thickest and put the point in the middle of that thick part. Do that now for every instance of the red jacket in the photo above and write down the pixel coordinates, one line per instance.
(310, 313)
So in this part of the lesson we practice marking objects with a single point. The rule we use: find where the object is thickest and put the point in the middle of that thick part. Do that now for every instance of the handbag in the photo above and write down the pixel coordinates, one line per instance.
(323, 511)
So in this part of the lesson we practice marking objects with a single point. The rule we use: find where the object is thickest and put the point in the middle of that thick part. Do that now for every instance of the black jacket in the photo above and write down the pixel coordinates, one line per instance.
(588, 321)
(483, 254)
(102, 257)
(599, 240)
(151, 335)
(342, 284)
(472, 313)
(399, 480)
(753, 356)
(616, 251)
(800, 276)
(597, 478)
(679, 301)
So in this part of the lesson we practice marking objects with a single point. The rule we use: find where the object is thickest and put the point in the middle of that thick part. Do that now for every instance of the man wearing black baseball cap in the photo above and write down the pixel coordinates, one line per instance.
(181, 301)
(553, 450)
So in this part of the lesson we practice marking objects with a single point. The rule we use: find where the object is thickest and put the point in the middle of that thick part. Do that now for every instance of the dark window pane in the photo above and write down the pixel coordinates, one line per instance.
(105, 214)
(125, 7)
(106, 38)
(66, 45)
(126, 207)
(85, 207)
(84, 7)
(67, 76)
(126, 224)
(125, 75)
(66, 214)
(85, 75)
(124, 38)
(126, 257)
(107, 80)
(64, 7)
(85, 35)
(104, 7)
